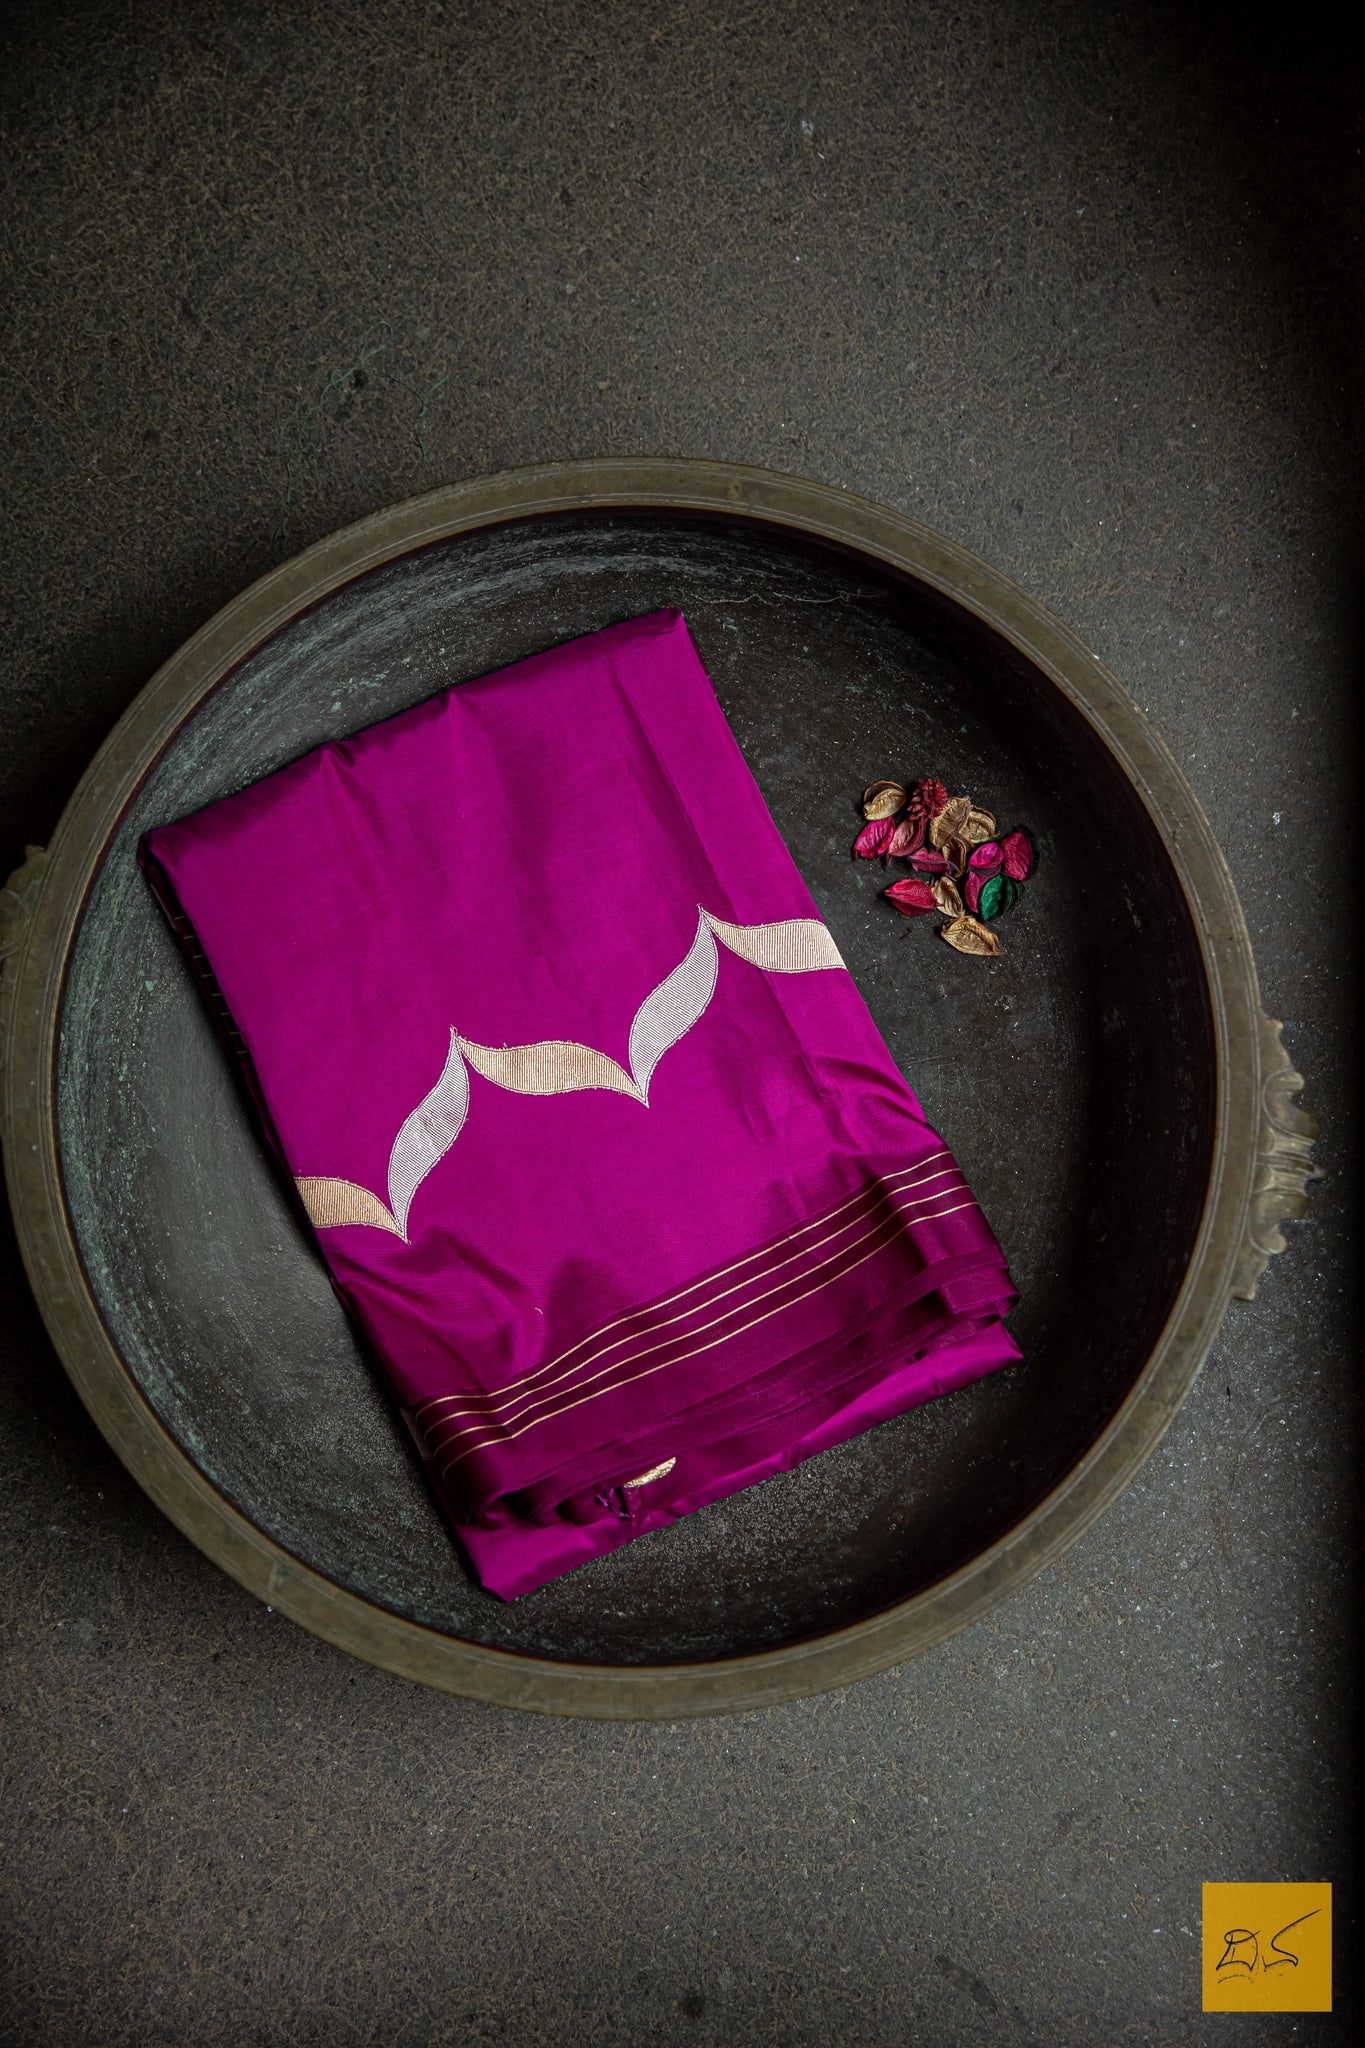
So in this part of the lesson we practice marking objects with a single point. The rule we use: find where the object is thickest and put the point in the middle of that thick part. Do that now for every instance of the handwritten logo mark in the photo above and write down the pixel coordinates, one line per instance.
(1267, 1948)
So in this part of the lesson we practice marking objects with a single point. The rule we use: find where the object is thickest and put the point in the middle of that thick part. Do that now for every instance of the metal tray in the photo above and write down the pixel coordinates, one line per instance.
(1110, 1086)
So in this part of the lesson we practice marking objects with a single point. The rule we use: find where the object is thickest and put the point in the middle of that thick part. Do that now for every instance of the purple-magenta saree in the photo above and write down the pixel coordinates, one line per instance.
(601, 1146)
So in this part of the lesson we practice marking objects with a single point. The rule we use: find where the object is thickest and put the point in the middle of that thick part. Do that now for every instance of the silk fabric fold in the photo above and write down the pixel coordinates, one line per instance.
(602, 1148)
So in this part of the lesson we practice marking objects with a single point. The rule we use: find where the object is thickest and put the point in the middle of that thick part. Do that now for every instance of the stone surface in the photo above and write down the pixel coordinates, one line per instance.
(1080, 289)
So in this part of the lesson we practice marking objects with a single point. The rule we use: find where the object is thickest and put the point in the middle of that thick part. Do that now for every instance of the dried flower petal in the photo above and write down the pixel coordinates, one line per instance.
(909, 837)
(883, 800)
(979, 827)
(949, 821)
(967, 936)
(1017, 853)
(874, 839)
(911, 898)
(957, 853)
(926, 862)
(997, 894)
(972, 887)
(987, 859)
(946, 898)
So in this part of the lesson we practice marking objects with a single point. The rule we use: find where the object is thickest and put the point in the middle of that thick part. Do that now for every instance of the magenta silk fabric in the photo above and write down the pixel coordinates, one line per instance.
(602, 1148)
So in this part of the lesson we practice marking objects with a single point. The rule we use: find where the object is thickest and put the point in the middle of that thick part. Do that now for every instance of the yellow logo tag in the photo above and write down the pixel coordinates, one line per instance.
(1267, 1948)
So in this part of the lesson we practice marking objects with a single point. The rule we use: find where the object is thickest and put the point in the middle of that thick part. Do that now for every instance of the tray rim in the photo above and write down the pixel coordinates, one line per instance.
(35, 986)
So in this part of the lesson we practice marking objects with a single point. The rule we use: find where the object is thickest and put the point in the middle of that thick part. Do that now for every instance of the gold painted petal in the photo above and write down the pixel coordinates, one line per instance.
(330, 1203)
(968, 935)
(800, 945)
(553, 1066)
(950, 820)
(957, 853)
(946, 897)
(979, 827)
(883, 800)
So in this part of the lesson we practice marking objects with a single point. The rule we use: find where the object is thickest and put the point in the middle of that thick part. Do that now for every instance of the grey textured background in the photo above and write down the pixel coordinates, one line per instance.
(1080, 287)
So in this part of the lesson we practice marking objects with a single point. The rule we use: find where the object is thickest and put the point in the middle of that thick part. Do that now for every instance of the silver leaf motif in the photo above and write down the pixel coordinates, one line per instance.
(673, 1008)
(428, 1134)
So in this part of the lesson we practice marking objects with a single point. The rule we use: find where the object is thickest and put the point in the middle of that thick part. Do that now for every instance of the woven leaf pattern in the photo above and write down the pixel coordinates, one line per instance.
(330, 1203)
(802, 945)
(428, 1134)
(673, 1008)
(561, 1066)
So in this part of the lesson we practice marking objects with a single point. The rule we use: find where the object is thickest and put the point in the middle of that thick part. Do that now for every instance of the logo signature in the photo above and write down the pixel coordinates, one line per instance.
(1243, 1951)
(1267, 1947)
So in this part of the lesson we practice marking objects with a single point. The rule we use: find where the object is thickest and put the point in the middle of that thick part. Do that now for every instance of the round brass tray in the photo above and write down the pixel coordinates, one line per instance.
(1110, 1085)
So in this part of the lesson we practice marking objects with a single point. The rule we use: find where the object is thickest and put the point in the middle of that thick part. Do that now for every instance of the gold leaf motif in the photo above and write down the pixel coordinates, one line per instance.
(980, 827)
(654, 1472)
(967, 934)
(331, 1202)
(799, 945)
(553, 1066)
(946, 898)
(883, 800)
(950, 820)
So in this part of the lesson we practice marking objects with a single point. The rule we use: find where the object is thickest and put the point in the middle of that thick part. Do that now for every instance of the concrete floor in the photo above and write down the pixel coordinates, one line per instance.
(1080, 288)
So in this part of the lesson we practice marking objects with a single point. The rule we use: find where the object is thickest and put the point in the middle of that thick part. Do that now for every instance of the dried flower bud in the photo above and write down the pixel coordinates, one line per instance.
(874, 839)
(948, 823)
(927, 798)
(966, 935)
(911, 897)
(883, 800)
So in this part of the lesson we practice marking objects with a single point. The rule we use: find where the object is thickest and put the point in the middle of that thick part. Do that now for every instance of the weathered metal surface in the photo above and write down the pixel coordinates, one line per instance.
(1100, 1084)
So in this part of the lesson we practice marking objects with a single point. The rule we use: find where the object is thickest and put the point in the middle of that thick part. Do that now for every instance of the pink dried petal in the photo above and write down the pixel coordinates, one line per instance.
(1017, 853)
(971, 890)
(987, 858)
(911, 898)
(874, 838)
(909, 837)
(927, 862)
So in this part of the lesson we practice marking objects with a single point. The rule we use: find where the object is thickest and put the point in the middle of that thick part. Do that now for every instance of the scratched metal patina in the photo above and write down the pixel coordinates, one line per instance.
(1051, 1072)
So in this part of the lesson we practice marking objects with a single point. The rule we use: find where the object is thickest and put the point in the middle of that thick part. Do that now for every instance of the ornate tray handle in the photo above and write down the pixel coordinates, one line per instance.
(18, 899)
(1284, 1161)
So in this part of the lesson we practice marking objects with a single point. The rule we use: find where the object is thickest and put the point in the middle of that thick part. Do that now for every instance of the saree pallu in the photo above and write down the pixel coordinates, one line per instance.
(602, 1148)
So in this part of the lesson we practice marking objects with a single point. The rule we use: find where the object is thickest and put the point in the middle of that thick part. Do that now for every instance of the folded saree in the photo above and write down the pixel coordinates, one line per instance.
(602, 1148)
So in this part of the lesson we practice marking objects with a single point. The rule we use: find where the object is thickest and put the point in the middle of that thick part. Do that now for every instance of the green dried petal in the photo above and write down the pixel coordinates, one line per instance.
(997, 895)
